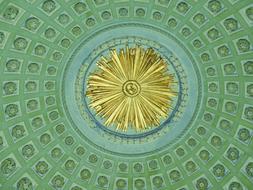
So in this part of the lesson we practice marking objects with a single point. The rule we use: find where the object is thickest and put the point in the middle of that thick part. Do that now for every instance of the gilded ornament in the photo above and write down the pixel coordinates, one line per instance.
(132, 88)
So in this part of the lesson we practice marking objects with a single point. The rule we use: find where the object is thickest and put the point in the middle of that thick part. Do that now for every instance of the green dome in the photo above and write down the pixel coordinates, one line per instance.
(52, 138)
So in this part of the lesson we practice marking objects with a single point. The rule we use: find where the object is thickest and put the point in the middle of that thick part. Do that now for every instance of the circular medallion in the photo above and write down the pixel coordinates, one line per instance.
(90, 120)
(131, 88)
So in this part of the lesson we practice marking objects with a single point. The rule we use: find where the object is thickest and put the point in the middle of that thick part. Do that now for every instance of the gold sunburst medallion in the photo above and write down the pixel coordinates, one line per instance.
(132, 88)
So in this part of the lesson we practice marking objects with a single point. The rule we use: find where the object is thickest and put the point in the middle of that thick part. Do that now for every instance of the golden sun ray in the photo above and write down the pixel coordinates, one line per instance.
(132, 88)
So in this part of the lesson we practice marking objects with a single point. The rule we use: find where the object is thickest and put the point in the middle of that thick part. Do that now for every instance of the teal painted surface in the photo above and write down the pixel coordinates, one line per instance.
(41, 149)
(129, 146)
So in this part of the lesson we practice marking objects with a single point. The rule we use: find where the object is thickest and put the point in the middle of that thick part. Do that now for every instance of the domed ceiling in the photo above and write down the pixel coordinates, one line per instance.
(126, 94)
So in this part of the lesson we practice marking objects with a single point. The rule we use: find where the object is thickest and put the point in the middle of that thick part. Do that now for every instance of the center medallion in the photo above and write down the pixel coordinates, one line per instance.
(132, 88)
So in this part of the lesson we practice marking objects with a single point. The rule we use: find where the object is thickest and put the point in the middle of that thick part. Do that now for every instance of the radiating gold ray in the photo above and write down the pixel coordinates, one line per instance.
(131, 88)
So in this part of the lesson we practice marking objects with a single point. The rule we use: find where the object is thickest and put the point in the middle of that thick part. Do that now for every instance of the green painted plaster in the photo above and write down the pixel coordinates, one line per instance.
(49, 139)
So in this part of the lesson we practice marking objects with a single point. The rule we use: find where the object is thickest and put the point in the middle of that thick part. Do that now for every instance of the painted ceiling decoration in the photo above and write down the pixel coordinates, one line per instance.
(132, 89)
(126, 94)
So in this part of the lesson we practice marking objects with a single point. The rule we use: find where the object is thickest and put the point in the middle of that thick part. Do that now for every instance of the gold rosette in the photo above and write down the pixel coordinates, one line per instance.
(132, 88)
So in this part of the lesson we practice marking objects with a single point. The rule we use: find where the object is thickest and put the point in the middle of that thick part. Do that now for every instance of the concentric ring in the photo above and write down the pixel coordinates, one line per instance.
(49, 139)
(131, 88)
(87, 65)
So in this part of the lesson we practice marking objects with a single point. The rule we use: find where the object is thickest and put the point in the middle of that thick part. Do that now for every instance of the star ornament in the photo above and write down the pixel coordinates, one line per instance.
(131, 88)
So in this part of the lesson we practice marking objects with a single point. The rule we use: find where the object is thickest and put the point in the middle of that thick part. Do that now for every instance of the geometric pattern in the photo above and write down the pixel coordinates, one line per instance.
(41, 149)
